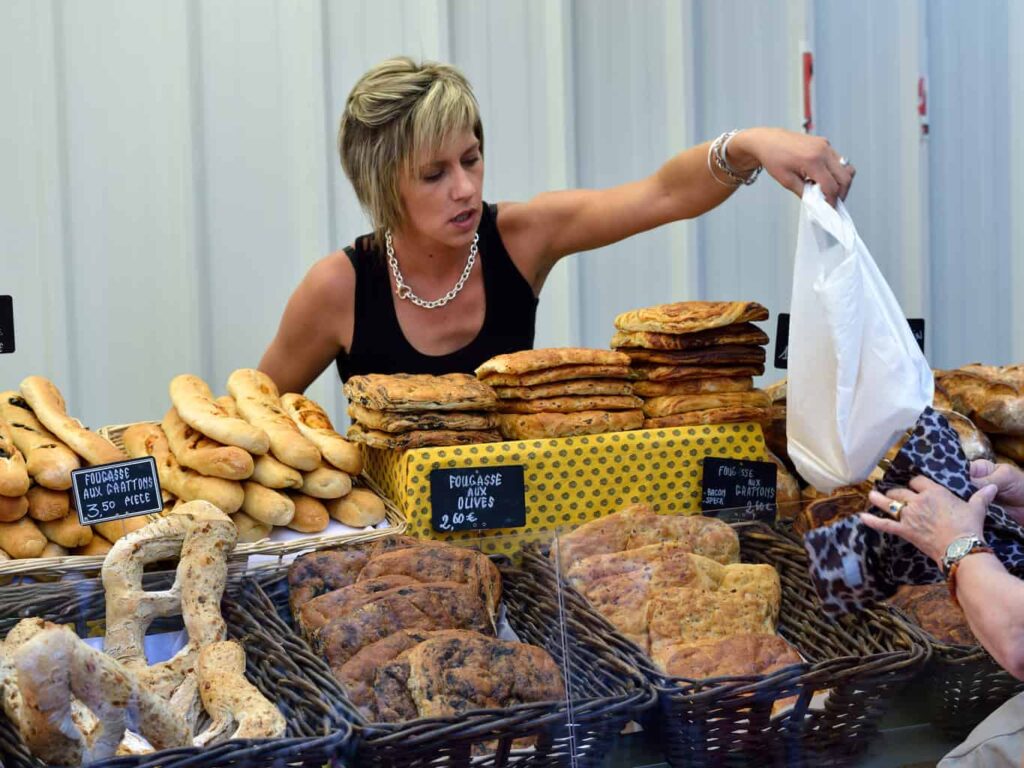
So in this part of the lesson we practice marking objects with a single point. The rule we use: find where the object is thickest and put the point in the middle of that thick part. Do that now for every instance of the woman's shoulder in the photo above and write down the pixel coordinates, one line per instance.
(330, 282)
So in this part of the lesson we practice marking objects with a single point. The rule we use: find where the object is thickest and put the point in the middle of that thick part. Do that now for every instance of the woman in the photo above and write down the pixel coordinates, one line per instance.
(445, 281)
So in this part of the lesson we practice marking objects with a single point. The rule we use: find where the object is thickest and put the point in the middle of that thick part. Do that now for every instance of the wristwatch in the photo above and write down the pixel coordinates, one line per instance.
(957, 550)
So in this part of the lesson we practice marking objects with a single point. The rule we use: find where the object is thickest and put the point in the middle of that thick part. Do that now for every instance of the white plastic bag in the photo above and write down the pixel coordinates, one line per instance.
(857, 377)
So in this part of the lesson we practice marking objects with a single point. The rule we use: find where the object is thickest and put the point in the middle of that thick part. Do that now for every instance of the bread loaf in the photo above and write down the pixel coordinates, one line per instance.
(326, 483)
(49, 462)
(13, 508)
(310, 514)
(97, 546)
(196, 451)
(250, 530)
(53, 550)
(46, 402)
(267, 506)
(360, 508)
(258, 401)
(44, 504)
(13, 472)
(271, 473)
(115, 529)
(187, 484)
(194, 402)
(21, 539)
(316, 426)
(67, 531)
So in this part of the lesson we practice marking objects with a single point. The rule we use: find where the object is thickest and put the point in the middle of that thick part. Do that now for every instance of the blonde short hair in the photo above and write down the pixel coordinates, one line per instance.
(396, 111)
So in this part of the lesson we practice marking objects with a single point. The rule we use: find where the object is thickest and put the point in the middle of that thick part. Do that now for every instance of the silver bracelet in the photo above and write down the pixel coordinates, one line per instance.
(718, 151)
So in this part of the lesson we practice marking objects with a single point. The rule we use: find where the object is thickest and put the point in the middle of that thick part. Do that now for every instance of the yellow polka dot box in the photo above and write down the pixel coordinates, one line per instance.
(444, 492)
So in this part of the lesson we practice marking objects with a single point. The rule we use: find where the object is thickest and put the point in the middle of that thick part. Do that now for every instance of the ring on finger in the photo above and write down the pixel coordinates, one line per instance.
(843, 161)
(896, 509)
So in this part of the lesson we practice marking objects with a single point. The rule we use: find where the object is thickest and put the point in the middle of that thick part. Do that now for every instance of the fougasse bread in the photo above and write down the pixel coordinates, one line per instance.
(314, 423)
(194, 402)
(529, 360)
(690, 316)
(48, 405)
(49, 461)
(196, 451)
(403, 392)
(257, 399)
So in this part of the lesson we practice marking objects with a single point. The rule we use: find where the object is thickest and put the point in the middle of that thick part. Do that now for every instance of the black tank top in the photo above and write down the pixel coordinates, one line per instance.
(378, 344)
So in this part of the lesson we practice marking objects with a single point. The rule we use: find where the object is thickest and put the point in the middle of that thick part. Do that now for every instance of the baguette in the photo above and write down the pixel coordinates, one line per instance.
(187, 484)
(326, 483)
(46, 401)
(314, 423)
(97, 546)
(250, 530)
(271, 473)
(259, 403)
(21, 539)
(44, 504)
(13, 472)
(310, 514)
(48, 460)
(195, 404)
(196, 451)
(359, 509)
(67, 532)
(13, 508)
(267, 506)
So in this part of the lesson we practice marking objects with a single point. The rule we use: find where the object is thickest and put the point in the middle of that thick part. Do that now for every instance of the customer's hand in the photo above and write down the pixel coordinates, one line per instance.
(1008, 479)
(931, 517)
(793, 159)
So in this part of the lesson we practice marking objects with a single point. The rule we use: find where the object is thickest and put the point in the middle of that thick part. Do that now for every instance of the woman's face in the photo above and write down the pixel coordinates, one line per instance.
(442, 195)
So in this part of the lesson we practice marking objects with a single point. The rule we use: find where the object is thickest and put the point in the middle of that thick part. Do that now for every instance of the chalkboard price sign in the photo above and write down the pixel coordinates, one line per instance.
(736, 490)
(116, 491)
(477, 498)
(6, 325)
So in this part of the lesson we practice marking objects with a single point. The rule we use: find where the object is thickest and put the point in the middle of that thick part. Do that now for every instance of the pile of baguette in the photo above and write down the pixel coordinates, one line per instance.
(40, 445)
(265, 459)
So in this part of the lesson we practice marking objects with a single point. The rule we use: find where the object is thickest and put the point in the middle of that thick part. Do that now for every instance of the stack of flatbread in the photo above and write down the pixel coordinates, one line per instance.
(544, 393)
(404, 410)
(694, 361)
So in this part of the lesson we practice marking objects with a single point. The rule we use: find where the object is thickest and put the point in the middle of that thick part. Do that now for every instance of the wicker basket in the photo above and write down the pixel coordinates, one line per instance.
(319, 731)
(862, 662)
(607, 692)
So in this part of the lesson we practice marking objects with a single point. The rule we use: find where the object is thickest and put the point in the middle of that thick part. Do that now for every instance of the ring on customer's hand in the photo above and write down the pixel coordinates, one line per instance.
(843, 162)
(896, 508)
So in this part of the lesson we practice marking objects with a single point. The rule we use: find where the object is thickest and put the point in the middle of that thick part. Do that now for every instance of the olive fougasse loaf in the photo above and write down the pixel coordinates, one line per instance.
(408, 628)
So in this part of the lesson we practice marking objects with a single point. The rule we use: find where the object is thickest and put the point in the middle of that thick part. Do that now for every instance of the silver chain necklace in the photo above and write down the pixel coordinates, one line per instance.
(405, 292)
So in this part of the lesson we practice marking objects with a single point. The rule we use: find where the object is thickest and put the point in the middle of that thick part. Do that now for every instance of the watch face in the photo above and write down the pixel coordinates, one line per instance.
(959, 548)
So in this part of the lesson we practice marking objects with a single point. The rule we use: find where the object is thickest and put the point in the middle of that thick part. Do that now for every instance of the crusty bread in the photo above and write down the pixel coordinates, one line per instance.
(360, 508)
(310, 514)
(46, 402)
(196, 451)
(187, 484)
(417, 392)
(527, 360)
(546, 425)
(67, 531)
(739, 333)
(194, 402)
(693, 386)
(572, 387)
(326, 483)
(975, 443)
(670, 405)
(49, 462)
(991, 397)
(314, 423)
(573, 404)
(44, 504)
(562, 373)
(112, 530)
(272, 473)
(730, 354)
(97, 546)
(13, 508)
(258, 401)
(266, 505)
(421, 438)
(735, 656)
(690, 316)
(655, 372)
(730, 415)
(250, 530)
(403, 421)
(13, 472)
(21, 539)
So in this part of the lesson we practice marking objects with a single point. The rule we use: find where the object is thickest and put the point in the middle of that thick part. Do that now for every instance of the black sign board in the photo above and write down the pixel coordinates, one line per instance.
(477, 498)
(782, 338)
(736, 490)
(6, 325)
(115, 491)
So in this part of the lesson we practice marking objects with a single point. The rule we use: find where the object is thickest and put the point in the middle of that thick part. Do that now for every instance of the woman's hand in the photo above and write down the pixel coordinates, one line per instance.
(793, 159)
(931, 517)
(1009, 481)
